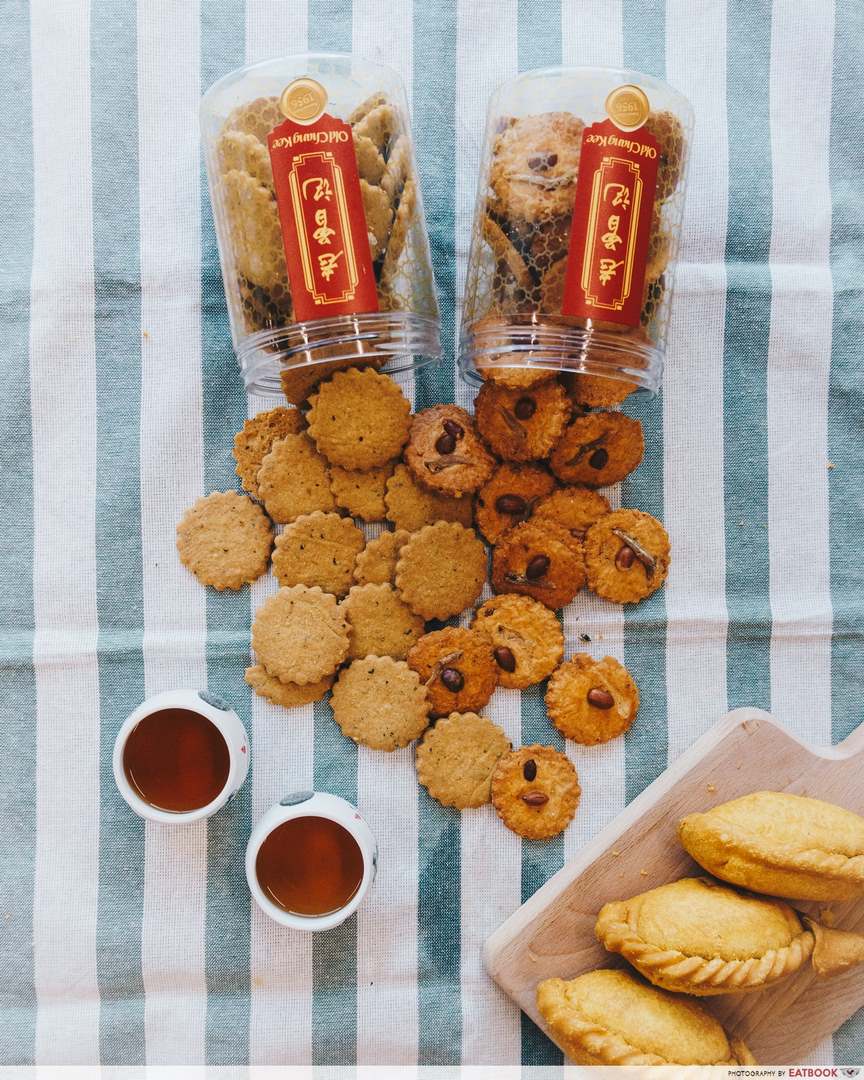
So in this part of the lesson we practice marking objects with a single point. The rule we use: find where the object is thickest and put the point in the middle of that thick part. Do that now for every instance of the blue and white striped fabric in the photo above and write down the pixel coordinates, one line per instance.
(132, 944)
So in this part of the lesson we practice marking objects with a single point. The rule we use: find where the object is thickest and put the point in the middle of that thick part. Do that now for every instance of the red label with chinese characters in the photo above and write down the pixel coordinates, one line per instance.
(612, 215)
(322, 217)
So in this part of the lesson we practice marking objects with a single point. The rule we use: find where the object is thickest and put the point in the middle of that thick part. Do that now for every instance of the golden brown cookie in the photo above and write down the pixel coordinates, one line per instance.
(410, 506)
(539, 559)
(598, 449)
(379, 702)
(441, 570)
(509, 497)
(255, 441)
(361, 493)
(376, 563)
(592, 701)
(289, 695)
(379, 124)
(574, 508)
(534, 166)
(318, 549)
(526, 637)
(522, 425)
(402, 223)
(596, 391)
(366, 106)
(240, 150)
(504, 252)
(300, 635)
(445, 453)
(379, 216)
(397, 169)
(381, 623)
(294, 479)
(627, 556)
(370, 163)
(457, 757)
(359, 419)
(457, 669)
(535, 791)
(516, 375)
(225, 539)
(666, 129)
(254, 230)
(299, 382)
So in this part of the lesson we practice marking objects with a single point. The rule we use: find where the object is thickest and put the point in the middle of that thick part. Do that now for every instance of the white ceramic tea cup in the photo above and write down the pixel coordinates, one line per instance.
(312, 804)
(223, 718)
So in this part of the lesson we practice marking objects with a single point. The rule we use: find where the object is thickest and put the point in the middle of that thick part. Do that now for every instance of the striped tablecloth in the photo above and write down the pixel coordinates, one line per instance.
(124, 943)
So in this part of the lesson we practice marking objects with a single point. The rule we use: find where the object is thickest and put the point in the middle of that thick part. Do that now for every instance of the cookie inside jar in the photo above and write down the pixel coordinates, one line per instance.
(575, 233)
(317, 207)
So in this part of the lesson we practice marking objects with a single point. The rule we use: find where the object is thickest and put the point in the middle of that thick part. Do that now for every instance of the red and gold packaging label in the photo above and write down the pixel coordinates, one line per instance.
(322, 217)
(612, 215)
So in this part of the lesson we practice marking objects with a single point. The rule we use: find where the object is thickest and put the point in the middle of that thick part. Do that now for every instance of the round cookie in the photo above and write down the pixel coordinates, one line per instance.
(535, 161)
(456, 667)
(239, 150)
(522, 425)
(361, 493)
(441, 570)
(535, 791)
(411, 506)
(527, 640)
(359, 419)
(595, 391)
(318, 549)
(289, 695)
(627, 556)
(598, 449)
(294, 480)
(255, 232)
(255, 441)
(225, 539)
(592, 701)
(457, 757)
(515, 375)
(574, 508)
(299, 635)
(381, 624)
(380, 703)
(510, 496)
(445, 453)
(539, 559)
(376, 563)
(666, 129)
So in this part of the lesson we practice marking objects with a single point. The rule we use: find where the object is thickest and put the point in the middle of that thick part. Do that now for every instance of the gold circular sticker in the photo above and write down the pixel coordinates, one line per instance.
(628, 107)
(303, 100)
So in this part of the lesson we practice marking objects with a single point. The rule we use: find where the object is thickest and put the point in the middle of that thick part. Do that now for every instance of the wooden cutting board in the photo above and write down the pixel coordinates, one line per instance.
(552, 934)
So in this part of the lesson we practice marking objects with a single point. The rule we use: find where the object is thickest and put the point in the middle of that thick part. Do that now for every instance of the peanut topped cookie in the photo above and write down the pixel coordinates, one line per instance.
(457, 669)
(359, 419)
(539, 559)
(445, 453)
(457, 757)
(534, 166)
(598, 449)
(575, 508)
(441, 570)
(526, 637)
(627, 556)
(592, 701)
(509, 497)
(535, 791)
(522, 425)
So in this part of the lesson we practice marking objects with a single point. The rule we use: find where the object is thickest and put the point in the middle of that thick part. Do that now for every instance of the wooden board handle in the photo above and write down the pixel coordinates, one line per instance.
(853, 743)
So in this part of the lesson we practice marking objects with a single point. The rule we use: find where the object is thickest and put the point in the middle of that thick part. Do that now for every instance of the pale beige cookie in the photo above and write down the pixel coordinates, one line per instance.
(441, 570)
(255, 232)
(379, 702)
(402, 223)
(289, 695)
(457, 669)
(294, 480)
(381, 623)
(239, 150)
(510, 497)
(535, 791)
(574, 508)
(379, 216)
(378, 124)
(376, 563)
(225, 540)
(370, 164)
(318, 549)
(359, 419)
(255, 441)
(592, 701)
(361, 493)
(526, 637)
(445, 452)
(627, 556)
(457, 757)
(366, 106)
(300, 635)
(411, 506)
(257, 117)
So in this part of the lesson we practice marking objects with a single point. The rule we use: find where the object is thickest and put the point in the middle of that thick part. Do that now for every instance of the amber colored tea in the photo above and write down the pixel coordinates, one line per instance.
(309, 866)
(176, 760)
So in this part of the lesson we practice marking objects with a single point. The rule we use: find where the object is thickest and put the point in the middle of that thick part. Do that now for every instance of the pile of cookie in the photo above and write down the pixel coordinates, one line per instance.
(353, 616)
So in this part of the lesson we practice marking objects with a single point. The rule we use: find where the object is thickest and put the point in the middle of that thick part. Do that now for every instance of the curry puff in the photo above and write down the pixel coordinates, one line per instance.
(780, 844)
(696, 936)
(613, 1018)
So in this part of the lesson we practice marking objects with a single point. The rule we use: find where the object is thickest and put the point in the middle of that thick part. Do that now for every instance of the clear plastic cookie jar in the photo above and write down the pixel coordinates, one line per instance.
(576, 230)
(323, 245)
